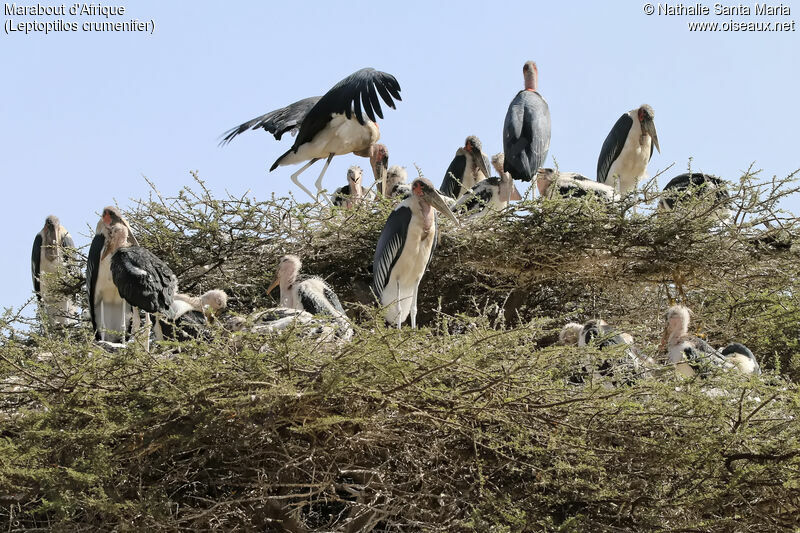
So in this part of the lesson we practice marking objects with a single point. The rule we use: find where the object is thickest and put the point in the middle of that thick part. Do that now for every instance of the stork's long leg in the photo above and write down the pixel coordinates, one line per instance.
(102, 322)
(397, 304)
(414, 307)
(135, 322)
(319, 179)
(297, 182)
(146, 331)
(124, 328)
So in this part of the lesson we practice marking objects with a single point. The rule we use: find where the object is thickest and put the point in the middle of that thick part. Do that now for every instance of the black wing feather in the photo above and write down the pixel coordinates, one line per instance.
(36, 265)
(67, 242)
(92, 268)
(333, 299)
(275, 122)
(613, 145)
(479, 196)
(390, 245)
(453, 175)
(143, 280)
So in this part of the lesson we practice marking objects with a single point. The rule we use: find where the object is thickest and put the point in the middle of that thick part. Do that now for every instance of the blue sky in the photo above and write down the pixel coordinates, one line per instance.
(86, 115)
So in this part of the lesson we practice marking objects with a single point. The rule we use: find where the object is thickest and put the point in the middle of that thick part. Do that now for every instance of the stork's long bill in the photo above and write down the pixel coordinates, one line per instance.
(649, 126)
(425, 190)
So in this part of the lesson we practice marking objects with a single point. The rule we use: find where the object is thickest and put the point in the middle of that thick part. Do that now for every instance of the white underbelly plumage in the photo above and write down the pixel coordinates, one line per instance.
(59, 308)
(104, 289)
(340, 136)
(631, 165)
(407, 272)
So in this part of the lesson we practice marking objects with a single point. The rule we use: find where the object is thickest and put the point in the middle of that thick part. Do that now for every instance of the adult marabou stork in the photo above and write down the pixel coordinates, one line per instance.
(627, 150)
(47, 261)
(526, 131)
(468, 167)
(491, 194)
(404, 251)
(310, 294)
(550, 182)
(142, 279)
(351, 194)
(107, 308)
(690, 355)
(329, 125)
(693, 183)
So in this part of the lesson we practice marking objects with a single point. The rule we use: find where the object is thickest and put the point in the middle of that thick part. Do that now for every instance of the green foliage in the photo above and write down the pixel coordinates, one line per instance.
(468, 424)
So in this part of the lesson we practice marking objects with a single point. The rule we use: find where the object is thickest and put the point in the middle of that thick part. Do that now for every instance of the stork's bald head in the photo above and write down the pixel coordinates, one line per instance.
(531, 73)
(645, 114)
(379, 160)
(473, 143)
(112, 215)
(395, 176)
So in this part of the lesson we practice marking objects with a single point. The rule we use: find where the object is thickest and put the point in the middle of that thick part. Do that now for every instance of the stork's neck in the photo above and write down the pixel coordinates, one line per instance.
(531, 80)
(287, 290)
(194, 301)
(427, 215)
(677, 334)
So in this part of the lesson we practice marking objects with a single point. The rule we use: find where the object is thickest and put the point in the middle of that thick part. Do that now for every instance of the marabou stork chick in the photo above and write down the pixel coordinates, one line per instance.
(694, 184)
(404, 251)
(741, 356)
(107, 309)
(48, 260)
(487, 195)
(568, 336)
(498, 162)
(691, 355)
(329, 125)
(632, 365)
(526, 130)
(397, 182)
(191, 314)
(310, 294)
(142, 279)
(278, 319)
(627, 150)
(550, 183)
(469, 166)
(352, 193)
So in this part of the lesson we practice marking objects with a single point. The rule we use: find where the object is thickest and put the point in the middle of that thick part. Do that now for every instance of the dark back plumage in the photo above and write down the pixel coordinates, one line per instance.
(36, 258)
(526, 135)
(143, 280)
(681, 185)
(92, 268)
(390, 246)
(451, 184)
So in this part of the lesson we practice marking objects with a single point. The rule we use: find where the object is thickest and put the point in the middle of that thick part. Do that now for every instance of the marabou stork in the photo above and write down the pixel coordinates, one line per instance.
(404, 251)
(107, 308)
(741, 356)
(191, 314)
(324, 328)
(468, 167)
(491, 194)
(310, 294)
(352, 193)
(550, 182)
(691, 355)
(526, 131)
(329, 125)
(627, 150)
(142, 279)
(396, 183)
(690, 184)
(47, 261)
(633, 364)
